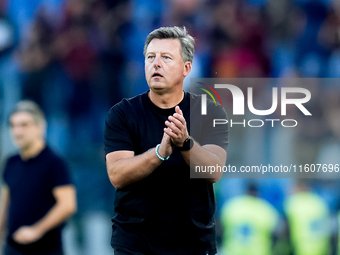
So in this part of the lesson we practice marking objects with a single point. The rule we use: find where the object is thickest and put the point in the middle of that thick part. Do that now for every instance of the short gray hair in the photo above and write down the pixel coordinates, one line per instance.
(186, 40)
(31, 108)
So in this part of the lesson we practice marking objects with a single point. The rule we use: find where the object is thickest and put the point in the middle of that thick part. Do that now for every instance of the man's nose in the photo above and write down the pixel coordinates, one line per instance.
(157, 62)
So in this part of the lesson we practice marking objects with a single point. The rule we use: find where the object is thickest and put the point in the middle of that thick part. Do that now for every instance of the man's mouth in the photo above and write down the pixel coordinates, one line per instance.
(18, 138)
(156, 75)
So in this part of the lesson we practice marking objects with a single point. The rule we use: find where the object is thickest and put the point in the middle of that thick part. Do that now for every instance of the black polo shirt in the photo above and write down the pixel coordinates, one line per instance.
(167, 208)
(31, 184)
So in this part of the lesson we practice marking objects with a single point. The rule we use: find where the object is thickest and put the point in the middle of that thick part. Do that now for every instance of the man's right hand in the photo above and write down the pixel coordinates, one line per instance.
(166, 147)
(27, 235)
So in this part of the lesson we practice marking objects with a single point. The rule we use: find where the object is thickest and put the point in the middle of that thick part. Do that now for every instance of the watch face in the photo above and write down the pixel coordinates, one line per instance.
(188, 143)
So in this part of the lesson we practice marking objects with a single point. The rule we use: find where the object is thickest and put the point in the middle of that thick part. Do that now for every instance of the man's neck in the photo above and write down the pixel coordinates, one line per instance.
(166, 100)
(33, 150)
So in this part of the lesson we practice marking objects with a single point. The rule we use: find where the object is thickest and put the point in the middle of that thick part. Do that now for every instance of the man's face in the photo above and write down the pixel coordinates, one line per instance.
(24, 130)
(164, 67)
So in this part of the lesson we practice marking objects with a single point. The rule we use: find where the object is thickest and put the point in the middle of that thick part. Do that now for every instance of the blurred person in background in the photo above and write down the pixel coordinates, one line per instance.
(308, 222)
(309, 133)
(149, 150)
(35, 56)
(37, 195)
(328, 187)
(249, 224)
(7, 33)
(238, 39)
(78, 61)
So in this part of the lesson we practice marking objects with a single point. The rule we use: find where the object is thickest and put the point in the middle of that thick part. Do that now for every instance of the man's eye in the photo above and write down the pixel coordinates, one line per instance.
(151, 57)
(166, 57)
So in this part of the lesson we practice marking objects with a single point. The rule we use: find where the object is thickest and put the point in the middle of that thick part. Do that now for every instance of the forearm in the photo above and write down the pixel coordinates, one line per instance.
(129, 170)
(4, 211)
(3, 220)
(205, 156)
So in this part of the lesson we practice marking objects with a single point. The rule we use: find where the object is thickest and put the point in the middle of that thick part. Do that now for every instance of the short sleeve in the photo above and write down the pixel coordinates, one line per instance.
(117, 134)
(218, 135)
(60, 174)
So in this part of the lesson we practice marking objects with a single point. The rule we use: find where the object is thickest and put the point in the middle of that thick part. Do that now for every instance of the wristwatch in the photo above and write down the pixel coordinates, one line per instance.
(187, 145)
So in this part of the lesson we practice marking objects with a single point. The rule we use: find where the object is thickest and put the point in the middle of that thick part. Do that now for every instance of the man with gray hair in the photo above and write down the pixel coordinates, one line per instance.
(37, 195)
(149, 148)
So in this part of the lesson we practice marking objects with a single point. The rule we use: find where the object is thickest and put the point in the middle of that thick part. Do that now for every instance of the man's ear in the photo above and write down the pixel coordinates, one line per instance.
(187, 68)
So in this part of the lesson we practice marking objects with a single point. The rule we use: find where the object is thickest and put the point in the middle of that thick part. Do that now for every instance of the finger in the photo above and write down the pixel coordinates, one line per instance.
(166, 138)
(170, 133)
(180, 118)
(178, 110)
(176, 122)
(173, 127)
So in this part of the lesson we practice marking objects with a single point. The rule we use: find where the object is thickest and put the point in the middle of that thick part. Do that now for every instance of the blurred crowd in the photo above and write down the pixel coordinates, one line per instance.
(77, 58)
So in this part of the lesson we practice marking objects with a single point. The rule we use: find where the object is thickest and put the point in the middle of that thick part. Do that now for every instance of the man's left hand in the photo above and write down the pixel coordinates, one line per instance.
(27, 235)
(177, 128)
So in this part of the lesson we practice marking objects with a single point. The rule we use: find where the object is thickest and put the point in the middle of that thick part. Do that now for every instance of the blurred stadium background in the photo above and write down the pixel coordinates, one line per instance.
(76, 58)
